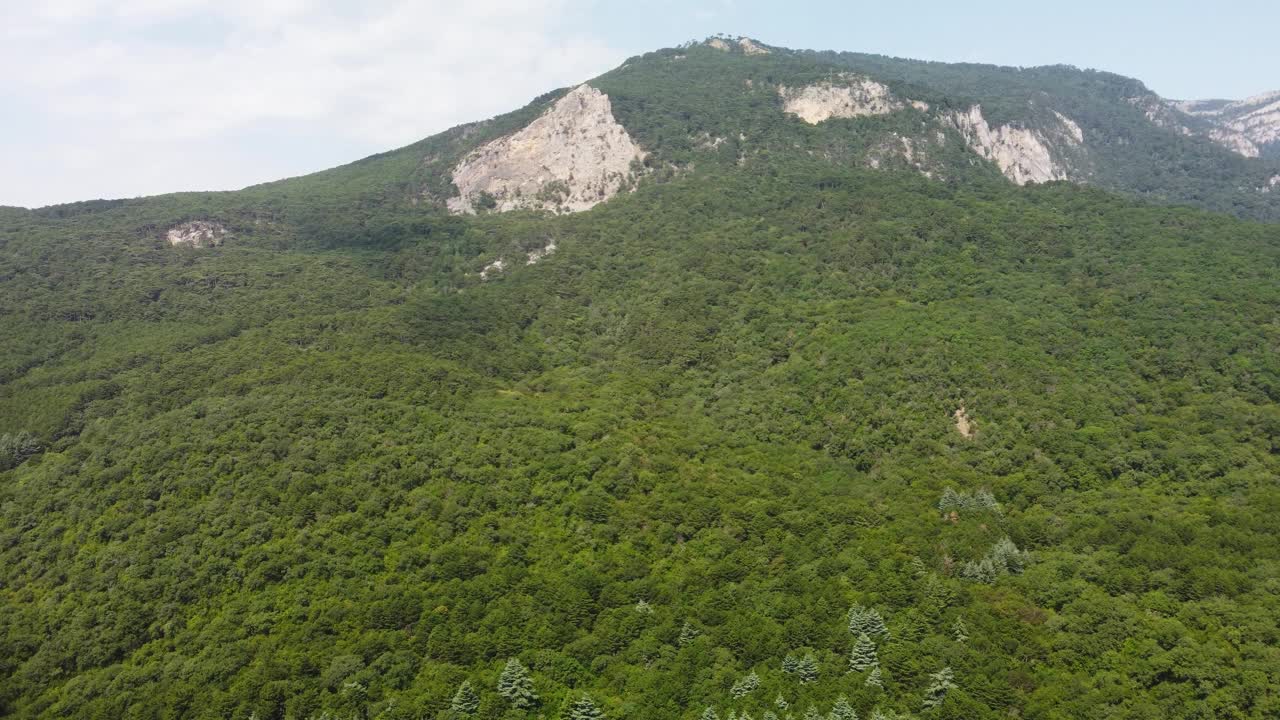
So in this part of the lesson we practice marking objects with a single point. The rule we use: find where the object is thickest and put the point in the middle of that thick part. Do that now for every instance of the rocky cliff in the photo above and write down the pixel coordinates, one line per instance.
(572, 157)
(1023, 155)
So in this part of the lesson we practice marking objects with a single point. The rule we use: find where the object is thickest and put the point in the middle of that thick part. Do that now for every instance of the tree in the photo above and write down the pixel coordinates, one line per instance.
(939, 683)
(643, 607)
(688, 633)
(807, 669)
(710, 714)
(1007, 557)
(812, 714)
(959, 631)
(516, 686)
(842, 710)
(949, 501)
(874, 678)
(465, 701)
(356, 696)
(780, 702)
(866, 621)
(863, 655)
(744, 686)
(986, 501)
(584, 709)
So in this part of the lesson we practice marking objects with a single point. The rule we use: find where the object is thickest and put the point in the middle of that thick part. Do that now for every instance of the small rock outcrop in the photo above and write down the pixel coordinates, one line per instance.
(853, 96)
(1023, 155)
(718, 44)
(751, 47)
(573, 157)
(964, 424)
(196, 234)
(493, 269)
(534, 256)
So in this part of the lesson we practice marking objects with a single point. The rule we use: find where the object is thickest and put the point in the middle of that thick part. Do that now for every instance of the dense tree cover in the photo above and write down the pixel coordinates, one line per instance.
(703, 456)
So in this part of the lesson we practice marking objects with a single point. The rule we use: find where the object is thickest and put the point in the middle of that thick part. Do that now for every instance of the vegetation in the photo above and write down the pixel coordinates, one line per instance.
(700, 462)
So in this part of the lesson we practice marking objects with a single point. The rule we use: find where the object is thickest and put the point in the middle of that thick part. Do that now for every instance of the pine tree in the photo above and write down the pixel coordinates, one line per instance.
(863, 655)
(986, 501)
(949, 501)
(812, 714)
(516, 686)
(866, 621)
(584, 709)
(780, 702)
(644, 608)
(745, 716)
(465, 701)
(842, 710)
(939, 683)
(874, 678)
(808, 669)
(1007, 557)
(790, 665)
(959, 631)
(733, 715)
(710, 714)
(743, 687)
(688, 633)
(769, 715)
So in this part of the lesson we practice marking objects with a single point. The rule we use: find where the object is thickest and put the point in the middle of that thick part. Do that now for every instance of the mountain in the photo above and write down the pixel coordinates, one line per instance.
(1251, 127)
(717, 105)
(738, 382)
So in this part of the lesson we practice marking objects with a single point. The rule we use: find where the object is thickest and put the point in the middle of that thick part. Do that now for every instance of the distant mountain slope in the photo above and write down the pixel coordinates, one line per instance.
(1253, 124)
(716, 104)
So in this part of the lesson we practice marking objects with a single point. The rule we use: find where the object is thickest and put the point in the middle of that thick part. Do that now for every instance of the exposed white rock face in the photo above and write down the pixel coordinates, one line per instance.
(1162, 113)
(197, 234)
(964, 424)
(1023, 155)
(856, 96)
(750, 47)
(545, 251)
(1272, 184)
(572, 158)
(492, 269)
(1234, 141)
(1242, 125)
(1071, 127)
(718, 44)
(914, 152)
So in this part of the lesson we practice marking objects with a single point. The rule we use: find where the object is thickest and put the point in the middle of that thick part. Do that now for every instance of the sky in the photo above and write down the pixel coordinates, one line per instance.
(121, 98)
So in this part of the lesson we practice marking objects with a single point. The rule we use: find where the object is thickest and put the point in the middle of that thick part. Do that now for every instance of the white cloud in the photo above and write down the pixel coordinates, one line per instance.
(126, 97)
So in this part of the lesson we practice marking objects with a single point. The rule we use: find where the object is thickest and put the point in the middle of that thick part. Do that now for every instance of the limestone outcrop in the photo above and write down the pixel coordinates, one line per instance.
(1023, 155)
(196, 234)
(851, 96)
(571, 158)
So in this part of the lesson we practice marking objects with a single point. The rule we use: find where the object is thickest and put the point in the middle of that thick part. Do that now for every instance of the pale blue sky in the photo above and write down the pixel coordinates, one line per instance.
(117, 98)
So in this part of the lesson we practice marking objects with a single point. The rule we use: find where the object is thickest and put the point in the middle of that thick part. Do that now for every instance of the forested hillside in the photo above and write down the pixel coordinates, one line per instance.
(774, 438)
